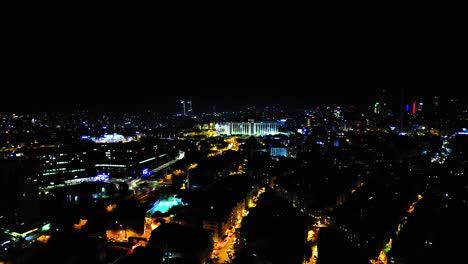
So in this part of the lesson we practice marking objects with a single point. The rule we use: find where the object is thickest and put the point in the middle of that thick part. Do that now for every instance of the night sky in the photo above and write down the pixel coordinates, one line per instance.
(235, 63)
(227, 78)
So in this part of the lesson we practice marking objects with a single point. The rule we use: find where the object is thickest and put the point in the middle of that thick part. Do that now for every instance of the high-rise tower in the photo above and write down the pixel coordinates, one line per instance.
(384, 102)
(189, 107)
(402, 108)
(435, 113)
(182, 108)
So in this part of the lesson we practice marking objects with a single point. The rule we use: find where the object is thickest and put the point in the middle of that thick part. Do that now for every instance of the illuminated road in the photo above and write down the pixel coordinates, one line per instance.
(227, 248)
(313, 259)
(382, 258)
(312, 236)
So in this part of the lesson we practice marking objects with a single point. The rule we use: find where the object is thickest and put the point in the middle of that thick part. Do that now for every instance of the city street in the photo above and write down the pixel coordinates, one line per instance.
(226, 250)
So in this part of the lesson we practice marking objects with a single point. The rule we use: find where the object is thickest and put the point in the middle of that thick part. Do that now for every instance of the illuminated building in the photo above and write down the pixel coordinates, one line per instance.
(84, 193)
(420, 107)
(277, 152)
(250, 128)
(185, 108)
(58, 164)
(384, 103)
(189, 107)
(183, 111)
(377, 108)
(110, 155)
(109, 138)
(131, 159)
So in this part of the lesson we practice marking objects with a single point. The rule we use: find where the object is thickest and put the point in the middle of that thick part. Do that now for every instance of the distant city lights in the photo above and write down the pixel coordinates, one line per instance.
(109, 138)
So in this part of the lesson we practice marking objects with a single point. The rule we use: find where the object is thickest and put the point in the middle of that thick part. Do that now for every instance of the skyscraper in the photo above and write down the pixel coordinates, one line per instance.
(189, 107)
(402, 108)
(377, 108)
(384, 102)
(182, 108)
(435, 114)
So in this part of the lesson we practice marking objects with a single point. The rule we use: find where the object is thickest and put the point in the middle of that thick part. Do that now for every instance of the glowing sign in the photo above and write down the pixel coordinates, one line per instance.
(145, 172)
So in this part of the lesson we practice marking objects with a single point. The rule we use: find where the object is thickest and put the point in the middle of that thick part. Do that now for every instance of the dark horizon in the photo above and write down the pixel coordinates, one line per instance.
(230, 87)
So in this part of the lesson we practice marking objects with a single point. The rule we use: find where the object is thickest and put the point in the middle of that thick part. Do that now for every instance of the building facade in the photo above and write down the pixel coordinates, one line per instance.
(250, 128)
(131, 159)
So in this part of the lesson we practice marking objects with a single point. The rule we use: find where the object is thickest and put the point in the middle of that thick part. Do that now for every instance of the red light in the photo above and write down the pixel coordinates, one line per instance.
(413, 109)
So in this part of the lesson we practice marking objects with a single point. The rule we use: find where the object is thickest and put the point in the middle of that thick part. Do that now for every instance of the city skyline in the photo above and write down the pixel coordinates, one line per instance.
(295, 87)
(215, 143)
(294, 186)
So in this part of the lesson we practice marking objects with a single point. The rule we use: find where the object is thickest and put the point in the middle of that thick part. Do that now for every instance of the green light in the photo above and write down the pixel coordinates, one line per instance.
(387, 249)
(163, 206)
(45, 228)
